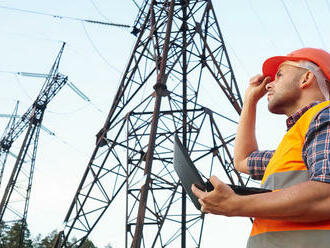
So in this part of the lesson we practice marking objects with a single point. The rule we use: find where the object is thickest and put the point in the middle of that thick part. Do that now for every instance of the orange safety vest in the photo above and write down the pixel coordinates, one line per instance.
(286, 168)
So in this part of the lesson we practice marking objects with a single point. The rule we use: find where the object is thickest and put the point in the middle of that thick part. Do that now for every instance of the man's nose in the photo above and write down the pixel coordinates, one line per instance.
(269, 86)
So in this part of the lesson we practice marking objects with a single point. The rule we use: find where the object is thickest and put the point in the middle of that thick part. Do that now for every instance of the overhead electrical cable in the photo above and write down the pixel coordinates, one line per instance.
(315, 24)
(328, 4)
(98, 10)
(21, 86)
(70, 145)
(67, 17)
(135, 3)
(242, 64)
(98, 51)
(41, 37)
(101, 56)
(264, 29)
(72, 111)
(293, 24)
(51, 133)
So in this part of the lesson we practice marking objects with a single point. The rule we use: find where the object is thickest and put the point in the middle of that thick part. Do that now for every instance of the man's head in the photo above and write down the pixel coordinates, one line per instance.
(299, 77)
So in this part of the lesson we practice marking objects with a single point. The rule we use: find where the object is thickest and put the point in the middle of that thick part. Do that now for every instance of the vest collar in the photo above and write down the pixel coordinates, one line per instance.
(296, 116)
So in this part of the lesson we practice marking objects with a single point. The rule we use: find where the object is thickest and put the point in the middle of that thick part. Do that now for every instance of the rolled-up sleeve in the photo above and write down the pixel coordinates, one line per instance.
(316, 150)
(257, 163)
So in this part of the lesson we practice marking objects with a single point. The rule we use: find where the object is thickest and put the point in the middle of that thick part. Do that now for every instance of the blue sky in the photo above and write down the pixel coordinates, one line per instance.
(94, 59)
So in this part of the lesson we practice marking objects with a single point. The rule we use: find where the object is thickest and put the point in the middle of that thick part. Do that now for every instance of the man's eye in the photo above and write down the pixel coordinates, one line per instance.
(278, 74)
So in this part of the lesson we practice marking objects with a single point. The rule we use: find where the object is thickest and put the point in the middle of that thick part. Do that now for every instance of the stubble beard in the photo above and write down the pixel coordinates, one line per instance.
(283, 103)
(275, 106)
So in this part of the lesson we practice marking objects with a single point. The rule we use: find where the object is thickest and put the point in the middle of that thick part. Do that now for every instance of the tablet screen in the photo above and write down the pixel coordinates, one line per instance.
(186, 171)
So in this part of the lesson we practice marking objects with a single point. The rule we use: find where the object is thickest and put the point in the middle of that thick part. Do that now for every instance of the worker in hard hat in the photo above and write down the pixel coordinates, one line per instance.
(297, 211)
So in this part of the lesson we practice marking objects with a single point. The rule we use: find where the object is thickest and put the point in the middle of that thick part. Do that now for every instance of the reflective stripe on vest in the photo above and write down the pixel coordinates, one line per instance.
(286, 168)
(295, 239)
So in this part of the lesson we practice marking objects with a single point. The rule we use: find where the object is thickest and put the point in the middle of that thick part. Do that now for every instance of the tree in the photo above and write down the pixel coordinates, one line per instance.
(88, 244)
(46, 242)
(3, 234)
(10, 236)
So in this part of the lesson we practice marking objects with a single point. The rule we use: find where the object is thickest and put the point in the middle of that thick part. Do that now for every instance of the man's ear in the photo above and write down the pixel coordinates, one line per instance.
(307, 79)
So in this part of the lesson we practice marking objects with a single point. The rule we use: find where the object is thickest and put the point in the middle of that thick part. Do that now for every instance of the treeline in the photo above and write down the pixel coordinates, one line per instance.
(10, 238)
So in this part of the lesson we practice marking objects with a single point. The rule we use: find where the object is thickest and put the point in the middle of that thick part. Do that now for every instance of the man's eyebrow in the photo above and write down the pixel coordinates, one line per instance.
(282, 68)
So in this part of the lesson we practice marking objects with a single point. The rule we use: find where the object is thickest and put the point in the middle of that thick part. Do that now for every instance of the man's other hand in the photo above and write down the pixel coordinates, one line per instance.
(222, 200)
(257, 88)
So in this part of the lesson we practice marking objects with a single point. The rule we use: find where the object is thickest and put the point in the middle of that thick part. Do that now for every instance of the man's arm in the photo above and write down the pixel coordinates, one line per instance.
(304, 202)
(316, 150)
(245, 141)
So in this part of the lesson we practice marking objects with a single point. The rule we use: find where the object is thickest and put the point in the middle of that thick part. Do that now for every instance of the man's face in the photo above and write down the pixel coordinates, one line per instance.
(284, 92)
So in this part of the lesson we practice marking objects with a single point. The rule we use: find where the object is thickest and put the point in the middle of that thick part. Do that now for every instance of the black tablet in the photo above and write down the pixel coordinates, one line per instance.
(188, 175)
(187, 172)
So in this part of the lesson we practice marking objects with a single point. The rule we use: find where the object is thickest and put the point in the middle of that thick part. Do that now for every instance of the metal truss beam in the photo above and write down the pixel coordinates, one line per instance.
(178, 62)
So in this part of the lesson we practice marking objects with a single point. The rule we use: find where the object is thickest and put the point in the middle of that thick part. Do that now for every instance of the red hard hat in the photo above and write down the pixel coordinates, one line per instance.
(317, 56)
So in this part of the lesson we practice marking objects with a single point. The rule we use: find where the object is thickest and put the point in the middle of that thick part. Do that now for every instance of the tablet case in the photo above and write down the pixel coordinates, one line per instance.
(188, 175)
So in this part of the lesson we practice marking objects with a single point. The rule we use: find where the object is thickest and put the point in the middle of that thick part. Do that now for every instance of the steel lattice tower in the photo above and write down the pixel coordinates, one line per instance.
(179, 62)
(16, 196)
(4, 144)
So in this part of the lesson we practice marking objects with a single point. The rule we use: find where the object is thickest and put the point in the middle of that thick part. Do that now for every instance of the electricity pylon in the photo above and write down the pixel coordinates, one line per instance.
(178, 71)
(4, 145)
(15, 199)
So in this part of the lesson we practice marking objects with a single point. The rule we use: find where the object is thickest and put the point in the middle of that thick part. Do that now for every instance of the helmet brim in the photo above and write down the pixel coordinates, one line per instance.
(271, 65)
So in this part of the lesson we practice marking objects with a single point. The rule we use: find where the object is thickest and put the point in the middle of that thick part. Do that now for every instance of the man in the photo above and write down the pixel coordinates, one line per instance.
(297, 211)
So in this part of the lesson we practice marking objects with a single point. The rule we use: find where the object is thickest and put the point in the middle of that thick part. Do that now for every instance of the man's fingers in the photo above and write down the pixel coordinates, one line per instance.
(266, 80)
(260, 80)
(219, 185)
(203, 207)
(215, 181)
(257, 79)
(197, 192)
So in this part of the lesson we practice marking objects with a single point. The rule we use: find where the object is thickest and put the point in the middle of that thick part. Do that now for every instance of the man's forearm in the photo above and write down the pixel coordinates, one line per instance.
(245, 141)
(305, 202)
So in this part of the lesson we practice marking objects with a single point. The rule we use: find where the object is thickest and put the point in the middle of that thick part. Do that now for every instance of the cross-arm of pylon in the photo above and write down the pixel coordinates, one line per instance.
(69, 83)
(4, 148)
(18, 116)
(15, 156)
(12, 119)
(78, 92)
(32, 74)
(9, 116)
(15, 130)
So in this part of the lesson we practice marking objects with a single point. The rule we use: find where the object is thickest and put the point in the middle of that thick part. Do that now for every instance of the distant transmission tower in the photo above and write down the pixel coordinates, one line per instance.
(179, 80)
(4, 143)
(15, 199)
